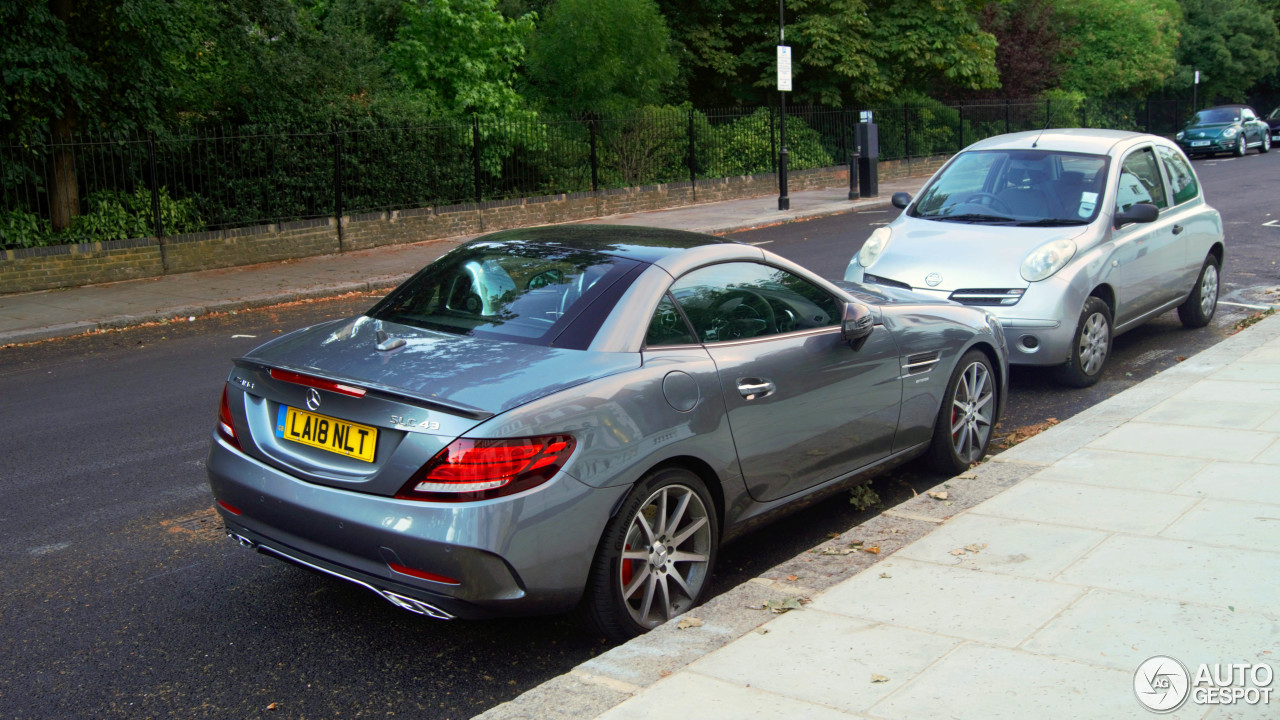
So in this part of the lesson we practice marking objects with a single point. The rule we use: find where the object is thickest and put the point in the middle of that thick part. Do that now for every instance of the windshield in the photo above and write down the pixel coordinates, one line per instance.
(508, 291)
(1016, 187)
(1275, 114)
(1216, 115)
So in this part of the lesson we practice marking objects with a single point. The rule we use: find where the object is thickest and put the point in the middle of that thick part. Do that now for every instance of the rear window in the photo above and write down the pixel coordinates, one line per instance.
(507, 291)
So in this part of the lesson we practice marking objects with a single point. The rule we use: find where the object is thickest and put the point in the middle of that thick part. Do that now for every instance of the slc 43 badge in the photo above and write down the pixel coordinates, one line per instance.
(405, 422)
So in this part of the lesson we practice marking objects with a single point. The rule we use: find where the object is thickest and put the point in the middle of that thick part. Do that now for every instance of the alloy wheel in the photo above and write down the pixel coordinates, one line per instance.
(665, 555)
(972, 412)
(1208, 289)
(1093, 343)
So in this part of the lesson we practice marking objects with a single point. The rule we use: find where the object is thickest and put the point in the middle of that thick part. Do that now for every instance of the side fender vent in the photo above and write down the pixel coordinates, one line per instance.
(920, 363)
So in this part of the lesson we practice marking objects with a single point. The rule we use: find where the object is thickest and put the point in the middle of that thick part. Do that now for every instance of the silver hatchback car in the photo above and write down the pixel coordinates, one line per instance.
(1070, 237)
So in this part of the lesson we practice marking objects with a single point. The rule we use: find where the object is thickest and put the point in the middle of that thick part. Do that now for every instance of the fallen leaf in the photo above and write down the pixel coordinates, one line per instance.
(664, 673)
(689, 622)
(885, 575)
(1232, 608)
(272, 706)
(762, 631)
(940, 495)
(975, 549)
(967, 476)
(780, 606)
(855, 543)
(958, 552)
(839, 551)
(874, 549)
(878, 678)
(1180, 358)
(793, 578)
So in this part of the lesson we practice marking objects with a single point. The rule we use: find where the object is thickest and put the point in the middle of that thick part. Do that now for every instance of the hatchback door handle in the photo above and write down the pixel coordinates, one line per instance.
(752, 388)
(1177, 229)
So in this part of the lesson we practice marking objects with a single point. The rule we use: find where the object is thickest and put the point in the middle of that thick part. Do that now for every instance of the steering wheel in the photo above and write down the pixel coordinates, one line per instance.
(545, 278)
(742, 314)
(992, 201)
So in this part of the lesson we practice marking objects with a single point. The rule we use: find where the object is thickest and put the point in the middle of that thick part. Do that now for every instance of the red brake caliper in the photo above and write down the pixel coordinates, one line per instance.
(626, 568)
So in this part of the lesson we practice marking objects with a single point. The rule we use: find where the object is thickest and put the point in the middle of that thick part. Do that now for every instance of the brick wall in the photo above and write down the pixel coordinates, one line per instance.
(73, 265)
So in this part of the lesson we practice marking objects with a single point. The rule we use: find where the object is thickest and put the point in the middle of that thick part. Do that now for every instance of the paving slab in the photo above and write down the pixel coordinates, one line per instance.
(1193, 442)
(1123, 469)
(954, 602)
(1234, 481)
(1000, 545)
(1244, 524)
(1121, 630)
(691, 695)
(1088, 506)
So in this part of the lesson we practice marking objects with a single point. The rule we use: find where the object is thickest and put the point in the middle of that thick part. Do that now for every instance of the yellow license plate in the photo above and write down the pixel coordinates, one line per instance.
(321, 431)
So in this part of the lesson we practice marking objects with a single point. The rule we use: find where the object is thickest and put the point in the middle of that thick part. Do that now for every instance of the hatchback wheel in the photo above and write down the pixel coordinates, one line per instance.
(962, 432)
(655, 559)
(1266, 142)
(1089, 347)
(1241, 147)
(1197, 310)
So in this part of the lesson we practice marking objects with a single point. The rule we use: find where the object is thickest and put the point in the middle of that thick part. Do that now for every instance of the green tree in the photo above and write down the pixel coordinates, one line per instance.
(460, 56)
(588, 55)
(70, 64)
(844, 51)
(1233, 43)
(1120, 46)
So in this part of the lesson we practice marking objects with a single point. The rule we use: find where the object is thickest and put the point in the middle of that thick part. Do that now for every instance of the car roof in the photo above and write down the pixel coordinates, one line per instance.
(642, 244)
(1081, 140)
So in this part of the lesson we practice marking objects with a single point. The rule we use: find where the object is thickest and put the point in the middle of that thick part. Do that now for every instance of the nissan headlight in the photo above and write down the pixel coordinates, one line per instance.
(1230, 132)
(874, 246)
(1047, 260)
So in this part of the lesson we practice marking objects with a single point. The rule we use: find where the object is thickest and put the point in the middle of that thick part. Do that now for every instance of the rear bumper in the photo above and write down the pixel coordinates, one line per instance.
(526, 554)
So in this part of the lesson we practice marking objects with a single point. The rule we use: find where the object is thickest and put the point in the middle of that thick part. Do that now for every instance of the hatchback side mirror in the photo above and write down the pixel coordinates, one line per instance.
(1143, 212)
(857, 324)
(901, 200)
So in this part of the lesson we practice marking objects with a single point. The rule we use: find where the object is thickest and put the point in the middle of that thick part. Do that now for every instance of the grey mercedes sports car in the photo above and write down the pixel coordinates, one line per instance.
(578, 416)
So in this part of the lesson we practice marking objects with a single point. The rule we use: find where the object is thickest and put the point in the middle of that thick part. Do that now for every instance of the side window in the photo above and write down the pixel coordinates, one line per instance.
(1181, 177)
(1140, 181)
(1248, 115)
(741, 300)
(667, 327)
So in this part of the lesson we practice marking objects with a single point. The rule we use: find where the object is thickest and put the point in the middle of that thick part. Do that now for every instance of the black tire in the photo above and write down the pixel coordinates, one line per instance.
(606, 609)
(1198, 309)
(1090, 346)
(966, 420)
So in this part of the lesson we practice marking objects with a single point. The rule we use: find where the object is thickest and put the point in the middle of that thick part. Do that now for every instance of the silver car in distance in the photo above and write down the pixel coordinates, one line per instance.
(577, 417)
(1070, 237)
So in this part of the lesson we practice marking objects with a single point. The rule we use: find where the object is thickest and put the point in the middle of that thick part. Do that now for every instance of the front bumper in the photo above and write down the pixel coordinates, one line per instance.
(526, 554)
(1212, 145)
(1039, 329)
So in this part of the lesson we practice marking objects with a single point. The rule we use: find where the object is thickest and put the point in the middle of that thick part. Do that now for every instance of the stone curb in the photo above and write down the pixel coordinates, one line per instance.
(599, 684)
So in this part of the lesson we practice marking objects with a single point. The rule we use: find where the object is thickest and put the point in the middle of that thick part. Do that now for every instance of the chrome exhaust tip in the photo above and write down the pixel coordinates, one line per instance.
(413, 605)
(243, 541)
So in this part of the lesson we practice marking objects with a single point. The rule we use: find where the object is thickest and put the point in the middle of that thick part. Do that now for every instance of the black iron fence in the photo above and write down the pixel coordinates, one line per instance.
(96, 188)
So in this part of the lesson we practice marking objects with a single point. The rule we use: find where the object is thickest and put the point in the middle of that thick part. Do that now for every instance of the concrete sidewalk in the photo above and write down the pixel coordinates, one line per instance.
(1030, 587)
(27, 317)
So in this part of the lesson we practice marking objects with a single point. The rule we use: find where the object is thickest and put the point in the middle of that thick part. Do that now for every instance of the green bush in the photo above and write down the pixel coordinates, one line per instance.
(116, 215)
(21, 229)
(746, 146)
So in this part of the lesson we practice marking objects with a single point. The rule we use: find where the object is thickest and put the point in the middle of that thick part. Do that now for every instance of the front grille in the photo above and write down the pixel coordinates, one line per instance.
(988, 296)
(868, 277)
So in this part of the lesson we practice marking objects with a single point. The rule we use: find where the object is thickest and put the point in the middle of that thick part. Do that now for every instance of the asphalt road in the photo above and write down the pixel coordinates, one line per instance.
(122, 598)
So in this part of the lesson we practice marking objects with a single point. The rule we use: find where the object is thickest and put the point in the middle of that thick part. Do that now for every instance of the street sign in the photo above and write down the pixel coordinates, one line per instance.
(1197, 77)
(865, 116)
(784, 68)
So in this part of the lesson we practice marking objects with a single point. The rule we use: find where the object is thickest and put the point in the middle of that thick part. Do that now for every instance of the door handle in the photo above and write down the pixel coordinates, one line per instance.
(752, 388)
(1177, 229)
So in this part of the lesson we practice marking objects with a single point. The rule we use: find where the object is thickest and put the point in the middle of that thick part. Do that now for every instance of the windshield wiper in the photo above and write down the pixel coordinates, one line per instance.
(971, 218)
(1053, 222)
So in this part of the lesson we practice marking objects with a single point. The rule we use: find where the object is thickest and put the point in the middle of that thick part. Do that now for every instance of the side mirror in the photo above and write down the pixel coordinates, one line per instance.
(1142, 212)
(901, 200)
(857, 324)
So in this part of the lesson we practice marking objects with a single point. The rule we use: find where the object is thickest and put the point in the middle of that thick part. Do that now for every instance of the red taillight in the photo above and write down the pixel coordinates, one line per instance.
(229, 507)
(225, 428)
(423, 574)
(315, 382)
(470, 470)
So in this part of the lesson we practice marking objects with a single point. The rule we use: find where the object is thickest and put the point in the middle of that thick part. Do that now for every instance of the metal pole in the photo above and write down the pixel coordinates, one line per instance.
(853, 155)
(773, 144)
(692, 160)
(961, 145)
(595, 163)
(784, 202)
(475, 153)
(1007, 124)
(157, 221)
(337, 184)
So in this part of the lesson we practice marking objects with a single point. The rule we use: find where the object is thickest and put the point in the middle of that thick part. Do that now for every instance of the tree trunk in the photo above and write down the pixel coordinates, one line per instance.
(64, 190)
